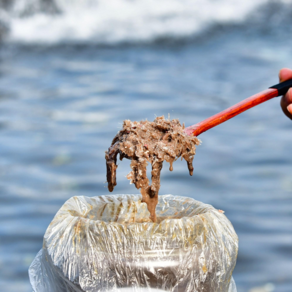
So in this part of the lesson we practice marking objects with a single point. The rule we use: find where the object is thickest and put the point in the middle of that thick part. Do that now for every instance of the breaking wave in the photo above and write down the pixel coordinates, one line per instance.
(118, 21)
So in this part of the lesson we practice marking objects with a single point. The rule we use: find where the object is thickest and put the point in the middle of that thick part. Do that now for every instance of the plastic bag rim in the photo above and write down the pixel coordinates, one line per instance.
(210, 210)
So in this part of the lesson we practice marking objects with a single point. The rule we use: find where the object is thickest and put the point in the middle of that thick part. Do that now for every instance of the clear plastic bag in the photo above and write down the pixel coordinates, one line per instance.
(107, 243)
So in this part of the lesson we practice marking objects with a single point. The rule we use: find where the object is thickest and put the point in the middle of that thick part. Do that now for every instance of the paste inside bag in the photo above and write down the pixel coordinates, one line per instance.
(108, 243)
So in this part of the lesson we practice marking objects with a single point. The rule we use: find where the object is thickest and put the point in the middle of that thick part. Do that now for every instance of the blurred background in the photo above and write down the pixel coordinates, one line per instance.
(72, 70)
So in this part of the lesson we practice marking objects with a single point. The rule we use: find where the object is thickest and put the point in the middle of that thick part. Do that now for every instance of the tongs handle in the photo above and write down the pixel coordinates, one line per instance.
(273, 91)
(283, 87)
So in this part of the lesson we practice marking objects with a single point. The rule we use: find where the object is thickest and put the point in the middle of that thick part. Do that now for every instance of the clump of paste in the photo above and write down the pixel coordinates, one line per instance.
(149, 142)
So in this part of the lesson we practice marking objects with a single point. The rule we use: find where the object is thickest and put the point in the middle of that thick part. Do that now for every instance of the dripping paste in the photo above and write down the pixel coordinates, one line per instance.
(152, 142)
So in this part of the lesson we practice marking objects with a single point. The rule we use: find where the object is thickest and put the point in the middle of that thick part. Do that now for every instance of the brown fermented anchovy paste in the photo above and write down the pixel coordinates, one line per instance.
(153, 142)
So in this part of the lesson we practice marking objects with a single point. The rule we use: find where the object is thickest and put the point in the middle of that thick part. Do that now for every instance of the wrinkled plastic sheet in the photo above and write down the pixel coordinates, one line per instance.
(107, 243)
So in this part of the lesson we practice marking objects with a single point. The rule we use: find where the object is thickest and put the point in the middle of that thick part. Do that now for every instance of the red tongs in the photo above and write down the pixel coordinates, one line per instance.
(273, 91)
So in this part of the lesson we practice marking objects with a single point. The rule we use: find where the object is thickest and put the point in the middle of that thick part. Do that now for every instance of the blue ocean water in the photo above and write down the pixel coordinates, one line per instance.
(66, 85)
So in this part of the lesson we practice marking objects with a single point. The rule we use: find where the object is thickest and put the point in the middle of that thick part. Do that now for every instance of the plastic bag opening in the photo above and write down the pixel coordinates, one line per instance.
(107, 243)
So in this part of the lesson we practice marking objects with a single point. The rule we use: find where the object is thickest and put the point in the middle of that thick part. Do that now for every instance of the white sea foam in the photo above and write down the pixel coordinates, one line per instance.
(114, 21)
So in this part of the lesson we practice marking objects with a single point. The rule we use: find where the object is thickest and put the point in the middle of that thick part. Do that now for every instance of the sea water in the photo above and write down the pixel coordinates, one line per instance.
(72, 71)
